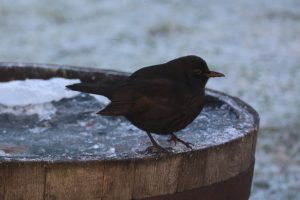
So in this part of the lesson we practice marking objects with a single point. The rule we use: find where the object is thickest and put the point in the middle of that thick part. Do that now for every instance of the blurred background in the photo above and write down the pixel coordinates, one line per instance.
(255, 43)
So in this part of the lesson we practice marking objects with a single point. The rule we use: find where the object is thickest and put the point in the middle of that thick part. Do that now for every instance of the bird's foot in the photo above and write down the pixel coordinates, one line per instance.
(158, 149)
(176, 139)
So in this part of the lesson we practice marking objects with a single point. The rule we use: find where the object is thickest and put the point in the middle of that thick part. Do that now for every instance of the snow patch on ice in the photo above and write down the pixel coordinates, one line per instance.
(32, 91)
(44, 111)
(2, 153)
(101, 99)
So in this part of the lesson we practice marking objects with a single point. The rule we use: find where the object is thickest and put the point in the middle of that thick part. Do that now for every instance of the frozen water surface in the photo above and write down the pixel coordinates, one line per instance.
(73, 130)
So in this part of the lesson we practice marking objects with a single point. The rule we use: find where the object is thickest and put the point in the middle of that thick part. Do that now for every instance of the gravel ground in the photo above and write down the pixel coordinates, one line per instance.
(255, 43)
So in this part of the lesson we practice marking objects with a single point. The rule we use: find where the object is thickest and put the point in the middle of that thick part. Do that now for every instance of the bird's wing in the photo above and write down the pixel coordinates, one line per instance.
(143, 96)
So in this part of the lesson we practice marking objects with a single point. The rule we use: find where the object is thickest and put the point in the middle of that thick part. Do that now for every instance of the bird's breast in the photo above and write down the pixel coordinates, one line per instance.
(194, 106)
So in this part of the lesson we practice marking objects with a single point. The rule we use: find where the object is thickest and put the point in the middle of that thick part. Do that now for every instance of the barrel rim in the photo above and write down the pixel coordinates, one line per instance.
(20, 71)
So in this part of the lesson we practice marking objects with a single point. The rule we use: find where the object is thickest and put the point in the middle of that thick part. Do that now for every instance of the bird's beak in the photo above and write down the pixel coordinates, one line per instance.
(213, 74)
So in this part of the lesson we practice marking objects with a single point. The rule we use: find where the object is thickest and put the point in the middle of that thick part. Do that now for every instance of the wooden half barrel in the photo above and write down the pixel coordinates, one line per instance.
(220, 165)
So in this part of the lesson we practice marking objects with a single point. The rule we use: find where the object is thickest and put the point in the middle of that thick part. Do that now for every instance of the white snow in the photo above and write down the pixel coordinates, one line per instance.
(101, 99)
(44, 111)
(18, 93)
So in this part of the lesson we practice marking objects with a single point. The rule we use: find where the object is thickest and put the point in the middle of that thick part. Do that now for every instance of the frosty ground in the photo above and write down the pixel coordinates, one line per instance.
(255, 43)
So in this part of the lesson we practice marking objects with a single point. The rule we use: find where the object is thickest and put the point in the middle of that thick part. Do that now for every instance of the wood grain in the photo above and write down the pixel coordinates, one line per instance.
(23, 181)
(74, 181)
(154, 177)
(118, 180)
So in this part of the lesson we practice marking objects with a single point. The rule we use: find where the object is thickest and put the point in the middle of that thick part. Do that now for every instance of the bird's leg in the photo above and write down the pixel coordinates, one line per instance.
(176, 139)
(155, 146)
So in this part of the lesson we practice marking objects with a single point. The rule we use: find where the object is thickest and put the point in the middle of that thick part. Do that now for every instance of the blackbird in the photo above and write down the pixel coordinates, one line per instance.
(159, 99)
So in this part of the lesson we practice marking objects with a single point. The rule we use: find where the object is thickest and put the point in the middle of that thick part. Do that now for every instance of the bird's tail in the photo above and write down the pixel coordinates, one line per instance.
(91, 88)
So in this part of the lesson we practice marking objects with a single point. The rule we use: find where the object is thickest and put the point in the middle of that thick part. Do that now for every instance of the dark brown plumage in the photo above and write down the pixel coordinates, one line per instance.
(160, 99)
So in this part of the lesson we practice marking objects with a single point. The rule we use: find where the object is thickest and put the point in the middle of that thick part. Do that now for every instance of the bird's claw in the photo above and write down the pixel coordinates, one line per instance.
(188, 144)
(158, 149)
(172, 140)
(175, 139)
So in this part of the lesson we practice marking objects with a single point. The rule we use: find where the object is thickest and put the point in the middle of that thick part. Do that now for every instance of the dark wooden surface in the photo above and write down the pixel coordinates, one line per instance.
(235, 188)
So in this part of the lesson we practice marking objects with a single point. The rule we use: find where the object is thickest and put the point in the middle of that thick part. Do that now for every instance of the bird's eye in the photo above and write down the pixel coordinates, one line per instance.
(198, 71)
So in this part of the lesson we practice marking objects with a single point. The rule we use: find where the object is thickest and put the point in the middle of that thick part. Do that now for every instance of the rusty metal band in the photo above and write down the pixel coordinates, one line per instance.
(235, 188)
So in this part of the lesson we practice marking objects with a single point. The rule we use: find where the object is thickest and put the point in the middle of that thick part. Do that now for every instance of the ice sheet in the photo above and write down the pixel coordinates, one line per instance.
(74, 131)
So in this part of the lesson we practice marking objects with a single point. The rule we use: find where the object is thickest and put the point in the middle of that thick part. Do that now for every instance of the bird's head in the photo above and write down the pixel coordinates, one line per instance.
(195, 69)
(196, 66)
